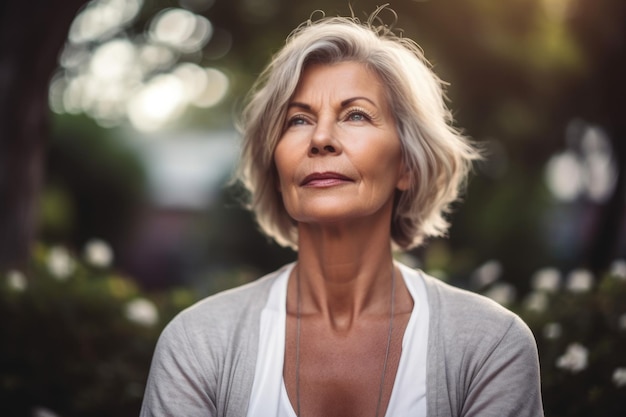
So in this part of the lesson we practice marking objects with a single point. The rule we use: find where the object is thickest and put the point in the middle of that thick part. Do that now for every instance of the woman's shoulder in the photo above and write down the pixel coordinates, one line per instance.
(461, 313)
(477, 351)
(447, 296)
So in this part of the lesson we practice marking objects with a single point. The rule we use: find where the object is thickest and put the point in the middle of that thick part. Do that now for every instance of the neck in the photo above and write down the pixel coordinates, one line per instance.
(345, 271)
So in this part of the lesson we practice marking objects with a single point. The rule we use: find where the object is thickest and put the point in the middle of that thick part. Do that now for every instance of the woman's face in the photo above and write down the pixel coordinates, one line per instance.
(339, 157)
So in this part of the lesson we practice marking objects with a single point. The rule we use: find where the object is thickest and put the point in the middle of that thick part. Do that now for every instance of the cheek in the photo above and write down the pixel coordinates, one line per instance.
(393, 169)
(385, 161)
(281, 166)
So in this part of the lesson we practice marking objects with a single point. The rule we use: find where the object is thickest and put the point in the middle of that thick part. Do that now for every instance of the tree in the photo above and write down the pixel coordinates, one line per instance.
(31, 36)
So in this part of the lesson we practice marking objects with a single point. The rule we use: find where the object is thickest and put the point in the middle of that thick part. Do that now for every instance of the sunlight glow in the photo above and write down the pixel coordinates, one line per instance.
(193, 77)
(102, 18)
(55, 93)
(215, 91)
(155, 57)
(72, 95)
(564, 176)
(601, 172)
(156, 103)
(74, 56)
(586, 168)
(113, 60)
(181, 29)
(113, 76)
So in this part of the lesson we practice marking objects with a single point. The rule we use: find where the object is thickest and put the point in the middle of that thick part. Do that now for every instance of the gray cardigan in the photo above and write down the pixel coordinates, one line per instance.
(482, 359)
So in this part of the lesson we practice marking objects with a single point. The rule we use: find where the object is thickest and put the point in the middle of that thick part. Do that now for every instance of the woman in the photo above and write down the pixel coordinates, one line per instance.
(348, 150)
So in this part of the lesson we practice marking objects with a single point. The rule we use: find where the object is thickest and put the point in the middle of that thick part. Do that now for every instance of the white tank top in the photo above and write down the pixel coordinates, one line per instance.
(408, 397)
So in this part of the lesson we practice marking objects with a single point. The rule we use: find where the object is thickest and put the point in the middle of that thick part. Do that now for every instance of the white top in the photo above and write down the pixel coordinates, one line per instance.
(408, 397)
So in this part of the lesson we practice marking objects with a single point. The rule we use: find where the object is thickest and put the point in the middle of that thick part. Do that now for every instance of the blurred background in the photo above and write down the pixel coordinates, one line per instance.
(118, 141)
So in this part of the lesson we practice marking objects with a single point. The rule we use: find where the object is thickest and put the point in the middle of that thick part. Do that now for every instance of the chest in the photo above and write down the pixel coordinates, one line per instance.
(344, 375)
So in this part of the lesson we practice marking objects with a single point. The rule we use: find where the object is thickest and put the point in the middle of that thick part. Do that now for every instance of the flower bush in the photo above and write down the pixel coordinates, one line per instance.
(77, 338)
(580, 327)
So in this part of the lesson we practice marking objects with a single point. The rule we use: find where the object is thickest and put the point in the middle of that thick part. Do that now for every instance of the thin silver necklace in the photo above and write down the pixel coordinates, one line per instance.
(299, 327)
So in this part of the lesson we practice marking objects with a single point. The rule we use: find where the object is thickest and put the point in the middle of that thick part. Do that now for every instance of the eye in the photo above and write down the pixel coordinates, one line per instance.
(296, 120)
(358, 115)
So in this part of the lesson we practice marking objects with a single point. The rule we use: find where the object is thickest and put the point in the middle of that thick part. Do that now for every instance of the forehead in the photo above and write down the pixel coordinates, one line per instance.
(340, 79)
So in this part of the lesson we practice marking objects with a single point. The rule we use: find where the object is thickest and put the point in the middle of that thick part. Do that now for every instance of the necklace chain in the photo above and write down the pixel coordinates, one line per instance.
(387, 349)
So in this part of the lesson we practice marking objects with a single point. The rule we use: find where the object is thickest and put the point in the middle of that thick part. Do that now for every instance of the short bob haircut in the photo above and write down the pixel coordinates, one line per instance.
(436, 154)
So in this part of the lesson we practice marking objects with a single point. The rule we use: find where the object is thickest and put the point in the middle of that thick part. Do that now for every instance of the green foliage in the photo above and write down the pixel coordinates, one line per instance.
(77, 338)
(89, 171)
(581, 337)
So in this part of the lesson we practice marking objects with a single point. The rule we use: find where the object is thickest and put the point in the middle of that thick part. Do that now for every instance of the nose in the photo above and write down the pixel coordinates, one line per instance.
(323, 139)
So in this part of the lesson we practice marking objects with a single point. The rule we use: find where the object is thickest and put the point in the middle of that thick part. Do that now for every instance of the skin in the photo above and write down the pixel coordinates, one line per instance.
(339, 165)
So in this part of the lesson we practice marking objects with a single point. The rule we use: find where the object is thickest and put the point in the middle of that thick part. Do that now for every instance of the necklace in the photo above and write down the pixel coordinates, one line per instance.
(299, 327)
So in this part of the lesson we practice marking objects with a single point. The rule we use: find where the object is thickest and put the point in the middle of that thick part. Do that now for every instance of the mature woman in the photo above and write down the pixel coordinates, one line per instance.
(348, 150)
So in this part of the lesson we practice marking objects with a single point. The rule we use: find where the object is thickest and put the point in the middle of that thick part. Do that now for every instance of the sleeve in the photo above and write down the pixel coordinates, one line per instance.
(178, 384)
(507, 382)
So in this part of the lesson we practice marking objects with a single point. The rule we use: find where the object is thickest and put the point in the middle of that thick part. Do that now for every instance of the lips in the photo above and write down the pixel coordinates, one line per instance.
(324, 179)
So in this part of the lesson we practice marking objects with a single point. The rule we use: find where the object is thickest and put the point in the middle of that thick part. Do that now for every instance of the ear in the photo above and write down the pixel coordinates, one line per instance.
(404, 178)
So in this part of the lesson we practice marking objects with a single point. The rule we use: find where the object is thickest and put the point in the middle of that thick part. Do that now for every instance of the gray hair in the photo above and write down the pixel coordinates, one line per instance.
(436, 154)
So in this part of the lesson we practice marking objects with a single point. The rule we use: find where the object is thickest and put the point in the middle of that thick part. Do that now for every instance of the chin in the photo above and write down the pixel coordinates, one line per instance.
(323, 218)
(330, 216)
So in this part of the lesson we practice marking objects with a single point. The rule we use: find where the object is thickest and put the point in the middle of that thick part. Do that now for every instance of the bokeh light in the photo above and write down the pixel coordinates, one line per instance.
(103, 18)
(114, 60)
(157, 102)
(181, 29)
(215, 90)
(586, 168)
(564, 176)
(154, 58)
(599, 165)
(114, 76)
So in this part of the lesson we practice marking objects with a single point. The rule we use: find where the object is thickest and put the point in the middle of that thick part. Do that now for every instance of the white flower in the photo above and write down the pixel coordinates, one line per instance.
(546, 279)
(486, 274)
(574, 359)
(98, 253)
(142, 311)
(619, 377)
(579, 280)
(16, 281)
(618, 268)
(502, 293)
(621, 322)
(536, 301)
(60, 263)
(552, 330)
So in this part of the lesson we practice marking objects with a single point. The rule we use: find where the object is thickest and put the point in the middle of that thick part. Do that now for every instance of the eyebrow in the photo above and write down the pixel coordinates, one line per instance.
(344, 103)
(300, 105)
(350, 100)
